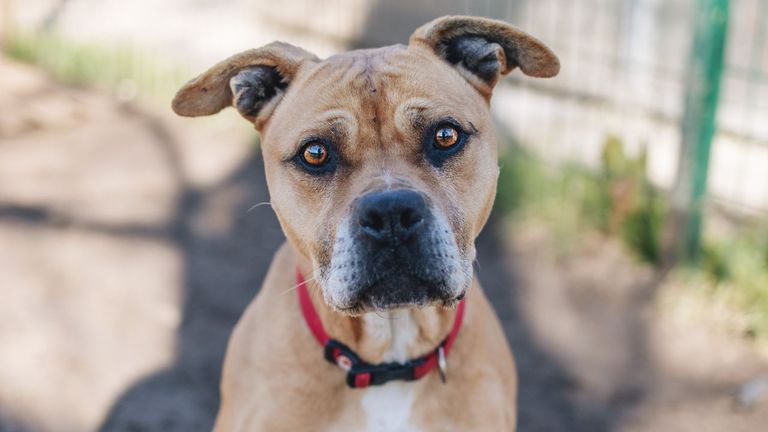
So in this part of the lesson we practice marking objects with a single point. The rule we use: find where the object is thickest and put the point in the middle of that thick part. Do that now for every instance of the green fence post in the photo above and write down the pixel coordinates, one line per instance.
(698, 128)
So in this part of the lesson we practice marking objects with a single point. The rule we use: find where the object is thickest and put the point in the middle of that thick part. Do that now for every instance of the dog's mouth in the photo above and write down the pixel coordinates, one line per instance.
(417, 275)
(394, 250)
(400, 290)
(377, 304)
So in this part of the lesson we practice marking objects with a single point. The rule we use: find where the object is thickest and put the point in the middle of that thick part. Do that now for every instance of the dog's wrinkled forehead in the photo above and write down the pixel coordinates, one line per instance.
(382, 93)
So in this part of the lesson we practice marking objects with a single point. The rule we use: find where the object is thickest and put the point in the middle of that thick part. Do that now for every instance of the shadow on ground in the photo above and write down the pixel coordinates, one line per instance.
(551, 395)
(222, 273)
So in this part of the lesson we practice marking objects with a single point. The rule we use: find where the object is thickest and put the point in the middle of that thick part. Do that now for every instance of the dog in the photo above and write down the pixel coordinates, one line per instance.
(382, 168)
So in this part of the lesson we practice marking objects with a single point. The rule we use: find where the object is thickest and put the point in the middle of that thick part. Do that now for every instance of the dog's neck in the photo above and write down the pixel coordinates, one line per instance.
(392, 336)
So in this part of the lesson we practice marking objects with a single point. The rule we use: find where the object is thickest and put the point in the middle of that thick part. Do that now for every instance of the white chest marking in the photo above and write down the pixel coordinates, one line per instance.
(388, 407)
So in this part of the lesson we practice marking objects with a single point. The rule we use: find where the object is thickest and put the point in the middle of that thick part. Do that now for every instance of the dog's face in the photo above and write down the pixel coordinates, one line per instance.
(381, 163)
(382, 167)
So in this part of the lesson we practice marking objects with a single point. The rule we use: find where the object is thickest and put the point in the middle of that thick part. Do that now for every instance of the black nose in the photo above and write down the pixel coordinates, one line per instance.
(393, 215)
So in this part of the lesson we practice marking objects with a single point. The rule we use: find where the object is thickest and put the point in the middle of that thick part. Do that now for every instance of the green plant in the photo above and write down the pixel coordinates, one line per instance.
(734, 266)
(124, 68)
(618, 200)
(714, 262)
(636, 209)
(520, 176)
(590, 195)
(641, 229)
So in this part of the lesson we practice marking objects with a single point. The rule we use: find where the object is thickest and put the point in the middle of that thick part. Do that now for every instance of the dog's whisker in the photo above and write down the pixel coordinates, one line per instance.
(477, 264)
(293, 288)
(259, 205)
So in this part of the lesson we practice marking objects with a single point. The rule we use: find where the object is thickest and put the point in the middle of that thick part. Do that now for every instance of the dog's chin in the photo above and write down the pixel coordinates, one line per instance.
(387, 296)
(361, 308)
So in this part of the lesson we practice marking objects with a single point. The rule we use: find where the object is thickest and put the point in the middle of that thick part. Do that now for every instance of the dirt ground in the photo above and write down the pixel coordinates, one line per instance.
(130, 246)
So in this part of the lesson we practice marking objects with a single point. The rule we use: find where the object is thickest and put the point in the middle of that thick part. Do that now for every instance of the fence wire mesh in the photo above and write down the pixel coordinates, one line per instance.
(624, 66)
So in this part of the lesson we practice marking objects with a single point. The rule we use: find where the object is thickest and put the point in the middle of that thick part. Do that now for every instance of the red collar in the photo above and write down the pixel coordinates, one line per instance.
(361, 374)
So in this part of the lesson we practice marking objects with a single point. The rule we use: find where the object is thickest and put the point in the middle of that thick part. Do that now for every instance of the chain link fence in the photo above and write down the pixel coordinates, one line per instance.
(625, 66)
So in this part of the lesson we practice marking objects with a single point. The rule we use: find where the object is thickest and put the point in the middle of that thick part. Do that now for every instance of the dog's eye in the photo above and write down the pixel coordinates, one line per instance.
(444, 140)
(315, 154)
(446, 137)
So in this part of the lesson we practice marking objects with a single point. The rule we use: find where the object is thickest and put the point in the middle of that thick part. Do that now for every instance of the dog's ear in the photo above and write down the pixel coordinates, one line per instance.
(252, 81)
(483, 49)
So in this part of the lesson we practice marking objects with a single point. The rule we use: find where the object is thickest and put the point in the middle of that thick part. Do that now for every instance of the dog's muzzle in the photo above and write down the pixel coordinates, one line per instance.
(399, 250)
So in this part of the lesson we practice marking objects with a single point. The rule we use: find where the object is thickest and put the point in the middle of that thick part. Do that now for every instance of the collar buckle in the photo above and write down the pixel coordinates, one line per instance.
(362, 374)
(382, 373)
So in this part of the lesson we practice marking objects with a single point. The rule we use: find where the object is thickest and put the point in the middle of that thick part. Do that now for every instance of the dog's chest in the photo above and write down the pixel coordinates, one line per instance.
(389, 408)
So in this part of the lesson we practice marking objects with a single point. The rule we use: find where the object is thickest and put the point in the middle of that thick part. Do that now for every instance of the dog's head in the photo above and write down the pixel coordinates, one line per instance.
(381, 163)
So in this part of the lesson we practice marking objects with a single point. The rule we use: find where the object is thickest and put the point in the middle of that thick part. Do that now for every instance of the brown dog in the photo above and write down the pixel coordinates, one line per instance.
(382, 170)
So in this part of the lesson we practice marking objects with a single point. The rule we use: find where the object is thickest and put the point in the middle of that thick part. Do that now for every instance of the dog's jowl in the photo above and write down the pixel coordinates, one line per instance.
(382, 169)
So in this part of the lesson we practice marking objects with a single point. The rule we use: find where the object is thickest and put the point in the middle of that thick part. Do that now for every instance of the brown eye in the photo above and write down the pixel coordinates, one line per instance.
(446, 137)
(315, 154)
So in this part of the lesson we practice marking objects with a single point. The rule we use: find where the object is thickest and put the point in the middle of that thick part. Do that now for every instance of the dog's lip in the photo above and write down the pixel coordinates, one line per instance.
(361, 308)
(377, 280)
(369, 304)
(374, 291)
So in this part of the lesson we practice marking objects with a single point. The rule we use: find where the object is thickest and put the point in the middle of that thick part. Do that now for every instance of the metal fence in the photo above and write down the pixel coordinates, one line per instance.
(625, 66)
(625, 70)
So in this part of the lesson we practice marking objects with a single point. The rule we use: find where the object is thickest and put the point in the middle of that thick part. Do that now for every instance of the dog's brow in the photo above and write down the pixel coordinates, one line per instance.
(411, 113)
(336, 122)
(417, 112)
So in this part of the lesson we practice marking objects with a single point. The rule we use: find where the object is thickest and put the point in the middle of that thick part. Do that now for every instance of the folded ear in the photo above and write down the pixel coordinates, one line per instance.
(484, 49)
(252, 81)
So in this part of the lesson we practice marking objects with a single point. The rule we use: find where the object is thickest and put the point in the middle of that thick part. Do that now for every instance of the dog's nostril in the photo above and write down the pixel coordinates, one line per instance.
(410, 218)
(372, 220)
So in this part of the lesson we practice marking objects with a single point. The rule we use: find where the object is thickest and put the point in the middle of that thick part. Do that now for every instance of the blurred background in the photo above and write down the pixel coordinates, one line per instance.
(627, 255)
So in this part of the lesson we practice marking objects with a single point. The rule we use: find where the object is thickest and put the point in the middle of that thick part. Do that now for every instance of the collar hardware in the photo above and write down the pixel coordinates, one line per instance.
(442, 365)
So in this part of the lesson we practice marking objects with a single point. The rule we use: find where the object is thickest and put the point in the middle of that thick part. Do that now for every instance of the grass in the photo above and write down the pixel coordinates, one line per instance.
(618, 200)
(129, 71)
(736, 271)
